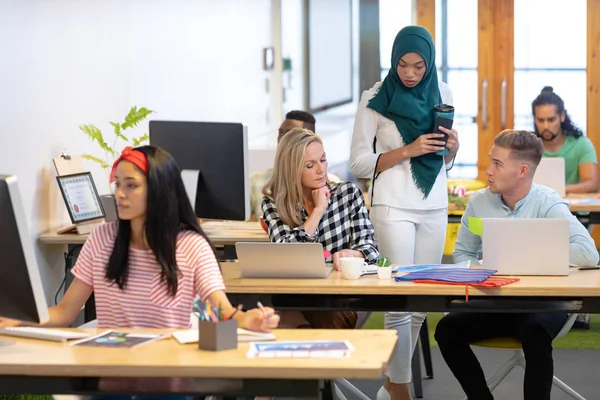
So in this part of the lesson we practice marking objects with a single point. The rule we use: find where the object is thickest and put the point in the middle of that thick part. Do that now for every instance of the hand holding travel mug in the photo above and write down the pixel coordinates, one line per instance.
(444, 116)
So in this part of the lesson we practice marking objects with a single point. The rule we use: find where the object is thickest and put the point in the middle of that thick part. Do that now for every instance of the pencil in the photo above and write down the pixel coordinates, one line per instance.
(239, 307)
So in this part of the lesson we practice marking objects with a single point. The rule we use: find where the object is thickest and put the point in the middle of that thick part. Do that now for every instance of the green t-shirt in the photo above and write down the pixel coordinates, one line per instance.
(575, 152)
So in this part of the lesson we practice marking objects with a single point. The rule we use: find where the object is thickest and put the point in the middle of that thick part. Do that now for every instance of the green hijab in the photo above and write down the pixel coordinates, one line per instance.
(412, 108)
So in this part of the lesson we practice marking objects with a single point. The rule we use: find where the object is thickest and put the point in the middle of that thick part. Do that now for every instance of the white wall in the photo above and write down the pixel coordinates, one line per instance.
(68, 62)
(293, 47)
(201, 60)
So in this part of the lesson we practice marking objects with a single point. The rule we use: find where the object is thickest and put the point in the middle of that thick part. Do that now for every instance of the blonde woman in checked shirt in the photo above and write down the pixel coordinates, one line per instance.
(146, 269)
(301, 205)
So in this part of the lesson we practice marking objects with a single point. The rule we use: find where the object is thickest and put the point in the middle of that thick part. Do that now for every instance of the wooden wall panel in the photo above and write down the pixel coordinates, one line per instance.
(425, 15)
(495, 63)
(593, 82)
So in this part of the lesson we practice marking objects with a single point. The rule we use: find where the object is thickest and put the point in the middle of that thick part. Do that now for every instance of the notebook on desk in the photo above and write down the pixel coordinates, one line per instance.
(526, 246)
(282, 260)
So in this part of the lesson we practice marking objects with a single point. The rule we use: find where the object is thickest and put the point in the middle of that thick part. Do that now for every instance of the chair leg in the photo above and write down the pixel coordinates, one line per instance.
(565, 388)
(424, 337)
(345, 384)
(329, 391)
(497, 377)
(494, 380)
(337, 393)
(416, 372)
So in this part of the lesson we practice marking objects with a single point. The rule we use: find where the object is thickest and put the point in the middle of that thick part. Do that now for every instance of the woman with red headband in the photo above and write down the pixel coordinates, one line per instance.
(146, 268)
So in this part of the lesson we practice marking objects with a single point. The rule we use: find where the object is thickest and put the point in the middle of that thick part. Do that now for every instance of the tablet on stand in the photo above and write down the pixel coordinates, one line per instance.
(82, 202)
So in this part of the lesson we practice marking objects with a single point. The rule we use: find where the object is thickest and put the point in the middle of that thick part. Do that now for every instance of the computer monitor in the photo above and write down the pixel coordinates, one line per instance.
(214, 156)
(21, 292)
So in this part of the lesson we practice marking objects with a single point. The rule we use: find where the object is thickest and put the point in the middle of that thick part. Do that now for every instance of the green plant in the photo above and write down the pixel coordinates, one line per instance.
(132, 119)
(461, 202)
(383, 262)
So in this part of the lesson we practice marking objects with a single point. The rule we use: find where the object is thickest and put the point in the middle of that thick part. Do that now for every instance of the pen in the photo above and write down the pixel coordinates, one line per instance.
(588, 268)
(239, 307)
(259, 304)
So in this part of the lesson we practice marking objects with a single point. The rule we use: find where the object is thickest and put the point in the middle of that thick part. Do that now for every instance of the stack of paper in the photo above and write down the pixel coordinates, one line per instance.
(425, 267)
(301, 349)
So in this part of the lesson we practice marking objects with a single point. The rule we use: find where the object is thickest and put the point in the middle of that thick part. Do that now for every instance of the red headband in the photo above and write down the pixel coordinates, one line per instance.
(135, 157)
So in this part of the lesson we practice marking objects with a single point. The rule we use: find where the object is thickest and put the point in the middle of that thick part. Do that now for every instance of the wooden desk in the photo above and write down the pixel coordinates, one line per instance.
(584, 202)
(220, 233)
(578, 203)
(580, 290)
(33, 366)
(577, 283)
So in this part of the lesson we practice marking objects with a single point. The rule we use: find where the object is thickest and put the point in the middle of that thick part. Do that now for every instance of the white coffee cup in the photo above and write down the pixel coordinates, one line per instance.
(352, 267)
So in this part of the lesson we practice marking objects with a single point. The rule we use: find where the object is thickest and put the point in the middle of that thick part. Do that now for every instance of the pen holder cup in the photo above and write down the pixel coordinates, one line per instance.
(216, 336)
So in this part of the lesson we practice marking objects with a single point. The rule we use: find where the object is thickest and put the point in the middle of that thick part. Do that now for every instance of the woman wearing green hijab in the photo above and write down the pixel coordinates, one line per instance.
(393, 145)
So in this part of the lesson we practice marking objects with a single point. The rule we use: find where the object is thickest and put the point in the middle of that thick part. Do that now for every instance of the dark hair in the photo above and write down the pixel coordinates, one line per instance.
(548, 97)
(168, 212)
(307, 118)
(523, 145)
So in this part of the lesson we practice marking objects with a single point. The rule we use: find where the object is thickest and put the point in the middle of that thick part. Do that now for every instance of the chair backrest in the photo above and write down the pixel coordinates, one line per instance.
(567, 326)
(362, 318)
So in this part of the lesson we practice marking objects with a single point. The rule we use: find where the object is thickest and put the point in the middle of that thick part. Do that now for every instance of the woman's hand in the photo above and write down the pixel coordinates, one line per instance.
(321, 198)
(7, 323)
(425, 144)
(345, 253)
(256, 320)
(452, 143)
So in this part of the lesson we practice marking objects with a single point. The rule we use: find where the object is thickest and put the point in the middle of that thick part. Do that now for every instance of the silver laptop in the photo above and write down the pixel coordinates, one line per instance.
(551, 173)
(282, 260)
(526, 246)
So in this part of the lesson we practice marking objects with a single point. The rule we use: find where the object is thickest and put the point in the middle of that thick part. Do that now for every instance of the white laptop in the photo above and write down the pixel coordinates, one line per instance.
(551, 173)
(282, 260)
(526, 246)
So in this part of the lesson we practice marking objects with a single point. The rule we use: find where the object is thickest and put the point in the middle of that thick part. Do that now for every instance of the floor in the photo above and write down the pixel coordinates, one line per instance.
(577, 368)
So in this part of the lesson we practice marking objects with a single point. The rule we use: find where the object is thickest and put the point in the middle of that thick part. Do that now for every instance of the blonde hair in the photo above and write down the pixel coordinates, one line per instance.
(285, 185)
(523, 145)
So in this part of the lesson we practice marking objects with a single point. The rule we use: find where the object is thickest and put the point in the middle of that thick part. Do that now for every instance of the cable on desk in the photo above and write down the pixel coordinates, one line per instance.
(68, 264)
(68, 258)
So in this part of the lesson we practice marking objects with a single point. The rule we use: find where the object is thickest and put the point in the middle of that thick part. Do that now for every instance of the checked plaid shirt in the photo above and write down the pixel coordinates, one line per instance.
(345, 224)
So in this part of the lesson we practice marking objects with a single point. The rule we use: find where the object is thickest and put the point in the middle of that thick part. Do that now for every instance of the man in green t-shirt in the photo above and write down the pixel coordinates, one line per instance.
(563, 139)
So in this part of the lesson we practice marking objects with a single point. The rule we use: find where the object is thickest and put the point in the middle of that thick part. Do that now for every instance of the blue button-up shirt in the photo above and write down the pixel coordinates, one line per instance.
(540, 202)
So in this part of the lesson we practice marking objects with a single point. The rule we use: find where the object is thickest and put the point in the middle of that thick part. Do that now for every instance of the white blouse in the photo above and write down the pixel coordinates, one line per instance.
(375, 134)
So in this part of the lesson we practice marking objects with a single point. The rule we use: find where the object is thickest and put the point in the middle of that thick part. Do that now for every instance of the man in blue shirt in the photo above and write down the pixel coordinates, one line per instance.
(510, 194)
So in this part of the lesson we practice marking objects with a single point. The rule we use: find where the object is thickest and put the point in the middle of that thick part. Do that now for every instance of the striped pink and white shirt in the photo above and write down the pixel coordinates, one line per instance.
(145, 301)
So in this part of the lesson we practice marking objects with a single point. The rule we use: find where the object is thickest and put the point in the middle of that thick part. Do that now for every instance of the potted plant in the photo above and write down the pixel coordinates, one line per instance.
(384, 268)
(111, 152)
(132, 119)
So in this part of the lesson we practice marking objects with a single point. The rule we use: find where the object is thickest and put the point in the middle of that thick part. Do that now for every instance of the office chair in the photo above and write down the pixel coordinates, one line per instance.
(518, 359)
(416, 364)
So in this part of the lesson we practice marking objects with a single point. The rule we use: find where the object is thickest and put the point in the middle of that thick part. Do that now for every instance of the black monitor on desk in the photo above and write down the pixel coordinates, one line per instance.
(21, 292)
(213, 157)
